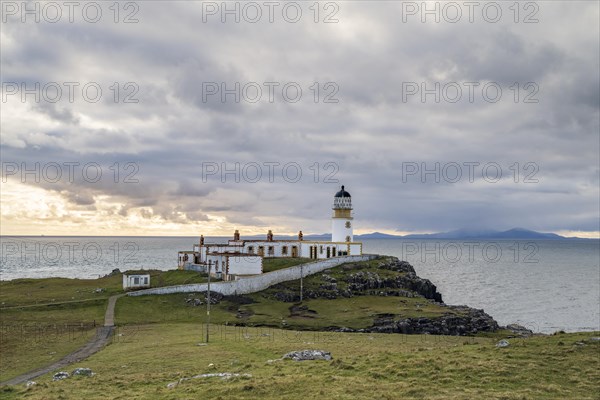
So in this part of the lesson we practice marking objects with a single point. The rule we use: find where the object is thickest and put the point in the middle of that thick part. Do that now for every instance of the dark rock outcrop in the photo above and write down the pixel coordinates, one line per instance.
(464, 321)
(367, 281)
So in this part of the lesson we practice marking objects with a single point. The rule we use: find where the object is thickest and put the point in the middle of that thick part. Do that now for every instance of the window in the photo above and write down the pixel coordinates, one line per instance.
(347, 238)
(145, 280)
(348, 224)
(271, 250)
(321, 249)
(284, 250)
(136, 281)
(251, 249)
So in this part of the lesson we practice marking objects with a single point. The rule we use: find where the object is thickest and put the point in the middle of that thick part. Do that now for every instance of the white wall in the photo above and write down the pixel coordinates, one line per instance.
(245, 265)
(260, 282)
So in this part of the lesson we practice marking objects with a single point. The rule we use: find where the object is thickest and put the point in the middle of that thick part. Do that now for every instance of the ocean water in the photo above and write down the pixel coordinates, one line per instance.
(545, 285)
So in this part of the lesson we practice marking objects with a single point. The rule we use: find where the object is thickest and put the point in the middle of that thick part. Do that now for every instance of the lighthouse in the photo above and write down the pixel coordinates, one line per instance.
(341, 221)
(244, 257)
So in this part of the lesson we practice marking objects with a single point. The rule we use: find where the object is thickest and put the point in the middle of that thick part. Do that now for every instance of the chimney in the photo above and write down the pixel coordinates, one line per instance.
(300, 236)
(236, 235)
(201, 240)
(270, 236)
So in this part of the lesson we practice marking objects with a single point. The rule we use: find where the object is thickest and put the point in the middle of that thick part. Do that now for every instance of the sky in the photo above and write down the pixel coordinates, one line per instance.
(190, 117)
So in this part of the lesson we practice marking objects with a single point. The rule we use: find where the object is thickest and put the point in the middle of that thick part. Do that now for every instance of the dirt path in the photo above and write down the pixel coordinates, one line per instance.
(100, 339)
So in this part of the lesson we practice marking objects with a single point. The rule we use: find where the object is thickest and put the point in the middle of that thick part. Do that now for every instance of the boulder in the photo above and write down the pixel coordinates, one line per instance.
(59, 376)
(303, 355)
(222, 375)
(503, 343)
(194, 302)
(82, 372)
(172, 385)
(519, 330)
(215, 297)
(114, 272)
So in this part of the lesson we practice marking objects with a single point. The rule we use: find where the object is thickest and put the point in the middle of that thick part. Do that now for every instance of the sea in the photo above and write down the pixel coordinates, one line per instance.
(544, 285)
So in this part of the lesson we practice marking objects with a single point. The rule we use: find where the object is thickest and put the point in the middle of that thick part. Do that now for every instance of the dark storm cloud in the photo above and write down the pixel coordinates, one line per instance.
(370, 134)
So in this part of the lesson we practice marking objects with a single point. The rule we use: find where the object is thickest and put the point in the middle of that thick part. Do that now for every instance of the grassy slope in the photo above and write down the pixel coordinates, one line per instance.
(20, 292)
(35, 311)
(42, 345)
(36, 336)
(357, 312)
(379, 366)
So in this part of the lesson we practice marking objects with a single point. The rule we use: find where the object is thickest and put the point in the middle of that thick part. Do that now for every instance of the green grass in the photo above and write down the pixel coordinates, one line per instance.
(145, 359)
(356, 312)
(37, 336)
(20, 292)
(273, 264)
(31, 346)
(71, 312)
(26, 292)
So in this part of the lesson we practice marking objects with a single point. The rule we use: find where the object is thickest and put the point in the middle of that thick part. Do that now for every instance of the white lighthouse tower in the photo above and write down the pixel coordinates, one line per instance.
(341, 221)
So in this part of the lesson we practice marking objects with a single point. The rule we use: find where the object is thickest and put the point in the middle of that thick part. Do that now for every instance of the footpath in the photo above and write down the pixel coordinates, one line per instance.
(100, 339)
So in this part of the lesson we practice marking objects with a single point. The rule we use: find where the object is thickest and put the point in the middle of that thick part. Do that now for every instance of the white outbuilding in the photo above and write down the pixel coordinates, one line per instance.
(136, 281)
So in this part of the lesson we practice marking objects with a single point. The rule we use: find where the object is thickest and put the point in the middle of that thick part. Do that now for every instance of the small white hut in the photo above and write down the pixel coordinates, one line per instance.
(136, 281)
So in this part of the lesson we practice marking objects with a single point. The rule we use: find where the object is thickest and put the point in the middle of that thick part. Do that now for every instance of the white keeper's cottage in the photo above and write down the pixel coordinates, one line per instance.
(239, 257)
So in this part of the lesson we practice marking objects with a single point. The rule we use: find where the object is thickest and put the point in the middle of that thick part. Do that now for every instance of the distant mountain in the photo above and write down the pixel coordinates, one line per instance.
(321, 236)
(520, 233)
(515, 233)
(376, 235)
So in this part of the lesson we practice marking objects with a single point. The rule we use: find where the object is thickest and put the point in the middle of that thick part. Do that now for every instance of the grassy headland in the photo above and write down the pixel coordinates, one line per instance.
(141, 363)
(157, 342)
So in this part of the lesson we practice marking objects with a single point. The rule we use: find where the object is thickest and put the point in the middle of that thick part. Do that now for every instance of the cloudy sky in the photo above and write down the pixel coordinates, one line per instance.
(199, 123)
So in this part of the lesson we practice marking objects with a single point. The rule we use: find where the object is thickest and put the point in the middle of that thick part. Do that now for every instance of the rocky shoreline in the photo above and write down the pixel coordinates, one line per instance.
(472, 322)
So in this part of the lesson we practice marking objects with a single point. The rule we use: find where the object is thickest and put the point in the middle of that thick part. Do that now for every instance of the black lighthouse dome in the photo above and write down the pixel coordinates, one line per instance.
(342, 193)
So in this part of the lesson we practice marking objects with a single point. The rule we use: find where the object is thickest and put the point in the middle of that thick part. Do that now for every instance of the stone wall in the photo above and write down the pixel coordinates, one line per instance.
(259, 282)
